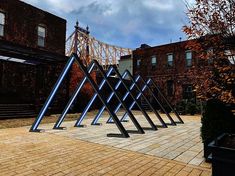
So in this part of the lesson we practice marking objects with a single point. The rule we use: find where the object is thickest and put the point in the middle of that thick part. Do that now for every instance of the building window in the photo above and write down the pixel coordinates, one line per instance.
(154, 61)
(210, 54)
(188, 55)
(231, 56)
(170, 60)
(138, 63)
(2, 24)
(187, 91)
(170, 88)
(41, 36)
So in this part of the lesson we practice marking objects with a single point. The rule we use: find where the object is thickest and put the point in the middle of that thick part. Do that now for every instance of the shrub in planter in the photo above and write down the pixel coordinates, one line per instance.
(181, 106)
(223, 155)
(216, 119)
(191, 108)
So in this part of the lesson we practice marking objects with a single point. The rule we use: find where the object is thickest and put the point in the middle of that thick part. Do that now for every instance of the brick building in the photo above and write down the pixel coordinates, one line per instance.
(170, 66)
(32, 47)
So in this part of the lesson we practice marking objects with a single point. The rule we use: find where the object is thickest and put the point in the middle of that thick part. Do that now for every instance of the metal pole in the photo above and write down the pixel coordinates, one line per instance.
(71, 100)
(135, 122)
(82, 116)
(125, 96)
(98, 115)
(149, 104)
(159, 103)
(137, 103)
(95, 87)
(168, 103)
(133, 103)
(52, 94)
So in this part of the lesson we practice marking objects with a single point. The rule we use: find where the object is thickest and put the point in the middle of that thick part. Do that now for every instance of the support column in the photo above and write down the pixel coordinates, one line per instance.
(37, 88)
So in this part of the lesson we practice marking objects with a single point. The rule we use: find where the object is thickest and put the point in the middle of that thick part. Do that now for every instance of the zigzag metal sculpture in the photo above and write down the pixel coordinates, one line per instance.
(134, 84)
(113, 116)
(123, 99)
(73, 58)
(146, 85)
(141, 93)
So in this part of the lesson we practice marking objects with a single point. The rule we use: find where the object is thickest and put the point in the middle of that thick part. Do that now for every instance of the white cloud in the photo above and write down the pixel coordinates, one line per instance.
(159, 4)
(122, 22)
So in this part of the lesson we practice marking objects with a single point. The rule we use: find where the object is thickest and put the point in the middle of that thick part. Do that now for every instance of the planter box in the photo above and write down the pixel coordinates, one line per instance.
(223, 155)
(207, 151)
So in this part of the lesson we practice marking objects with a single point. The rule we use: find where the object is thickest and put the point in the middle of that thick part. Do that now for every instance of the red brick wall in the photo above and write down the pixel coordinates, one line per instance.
(180, 74)
(21, 26)
(86, 93)
(21, 83)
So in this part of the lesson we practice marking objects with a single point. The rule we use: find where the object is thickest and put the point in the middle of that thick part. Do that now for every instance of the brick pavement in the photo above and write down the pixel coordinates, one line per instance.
(56, 153)
(181, 143)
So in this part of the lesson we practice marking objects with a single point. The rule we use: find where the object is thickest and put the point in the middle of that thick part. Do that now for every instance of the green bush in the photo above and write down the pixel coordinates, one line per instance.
(181, 107)
(191, 108)
(216, 119)
(188, 107)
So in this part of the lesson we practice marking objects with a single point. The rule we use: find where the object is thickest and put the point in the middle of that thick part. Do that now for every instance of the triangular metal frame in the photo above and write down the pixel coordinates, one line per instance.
(73, 97)
(165, 99)
(141, 93)
(153, 126)
(34, 127)
(105, 101)
(83, 114)
(105, 80)
(71, 60)
(146, 85)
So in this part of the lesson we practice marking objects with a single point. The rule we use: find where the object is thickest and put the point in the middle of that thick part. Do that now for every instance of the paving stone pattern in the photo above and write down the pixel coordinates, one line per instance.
(180, 143)
(169, 151)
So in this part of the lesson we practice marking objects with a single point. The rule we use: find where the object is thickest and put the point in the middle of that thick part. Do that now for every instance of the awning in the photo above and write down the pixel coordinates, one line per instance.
(18, 60)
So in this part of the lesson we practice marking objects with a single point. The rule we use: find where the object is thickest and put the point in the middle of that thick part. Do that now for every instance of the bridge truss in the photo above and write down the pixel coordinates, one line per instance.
(89, 48)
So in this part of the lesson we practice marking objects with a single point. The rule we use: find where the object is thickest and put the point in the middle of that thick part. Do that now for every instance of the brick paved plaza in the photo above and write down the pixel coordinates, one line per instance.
(176, 150)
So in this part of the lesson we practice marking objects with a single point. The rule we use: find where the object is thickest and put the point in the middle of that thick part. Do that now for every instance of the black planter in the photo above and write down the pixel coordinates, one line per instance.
(207, 150)
(223, 158)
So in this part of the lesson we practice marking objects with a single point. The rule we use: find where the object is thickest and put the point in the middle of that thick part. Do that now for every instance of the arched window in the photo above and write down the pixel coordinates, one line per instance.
(41, 36)
(2, 23)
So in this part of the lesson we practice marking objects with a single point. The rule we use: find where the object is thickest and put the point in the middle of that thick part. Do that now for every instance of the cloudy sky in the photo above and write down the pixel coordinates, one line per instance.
(126, 23)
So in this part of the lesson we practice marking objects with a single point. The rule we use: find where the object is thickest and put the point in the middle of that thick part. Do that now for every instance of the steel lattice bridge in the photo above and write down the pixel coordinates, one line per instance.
(88, 47)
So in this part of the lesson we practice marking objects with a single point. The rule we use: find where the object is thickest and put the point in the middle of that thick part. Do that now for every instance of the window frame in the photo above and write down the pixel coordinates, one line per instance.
(154, 64)
(187, 60)
(210, 55)
(188, 91)
(41, 37)
(231, 56)
(138, 63)
(168, 62)
(3, 24)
